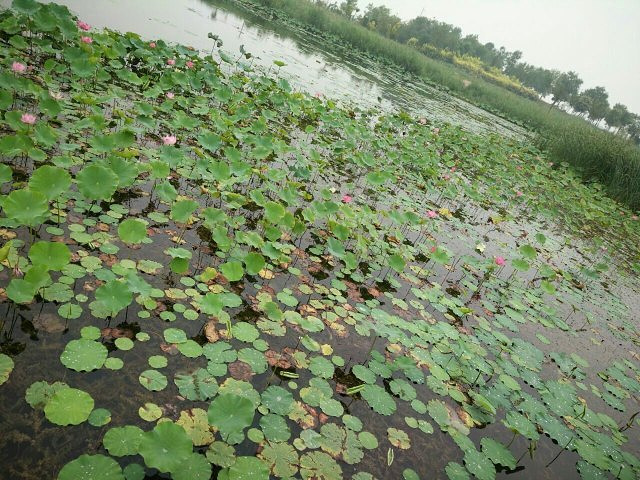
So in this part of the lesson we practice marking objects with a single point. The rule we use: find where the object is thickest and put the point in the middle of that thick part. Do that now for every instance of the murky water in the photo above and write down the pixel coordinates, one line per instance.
(312, 64)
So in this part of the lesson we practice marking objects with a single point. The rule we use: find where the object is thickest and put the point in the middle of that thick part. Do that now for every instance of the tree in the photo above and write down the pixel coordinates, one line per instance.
(598, 103)
(580, 103)
(565, 85)
(618, 117)
(349, 8)
(380, 19)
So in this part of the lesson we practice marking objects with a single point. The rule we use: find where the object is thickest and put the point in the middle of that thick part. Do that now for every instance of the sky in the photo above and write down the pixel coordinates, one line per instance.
(598, 39)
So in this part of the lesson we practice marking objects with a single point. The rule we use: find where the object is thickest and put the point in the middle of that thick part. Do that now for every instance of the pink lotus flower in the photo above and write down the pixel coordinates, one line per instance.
(169, 140)
(18, 67)
(86, 39)
(519, 193)
(454, 168)
(634, 217)
(500, 261)
(436, 131)
(170, 95)
(318, 94)
(83, 25)
(423, 121)
(189, 64)
(171, 61)
(432, 214)
(347, 198)
(446, 177)
(152, 44)
(28, 118)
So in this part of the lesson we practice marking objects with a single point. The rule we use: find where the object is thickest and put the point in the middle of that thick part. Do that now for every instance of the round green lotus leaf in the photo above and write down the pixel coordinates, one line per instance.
(121, 441)
(232, 270)
(6, 366)
(96, 182)
(221, 454)
(26, 207)
(479, 465)
(175, 335)
(199, 385)
(113, 363)
(52, 255)
(230, 413)
(364, 374)
(68, 406)
(255, 435)
(39, 393)
(114, 296)
(319, 465)
(165, 447)
(83, 355)
(150, 412)
(368, 440)
(246, 468)
(378, 399)
(91, 467)
(455, 471)
(99, 417)
(254, 262)
(194, 467)
(124, 343)
(282, 458)
(132, 230)
(275, 428)
(245, 332)
(277, 399)
(90, 333)
(158, 361)
(153, 380)
(134, 471)
(410, 474)
(70, 311)
(352, 423)
(190, 349)
(50, 181)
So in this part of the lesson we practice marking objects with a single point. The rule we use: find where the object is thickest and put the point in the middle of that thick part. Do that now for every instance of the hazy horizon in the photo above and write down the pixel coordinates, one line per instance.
(605, 54)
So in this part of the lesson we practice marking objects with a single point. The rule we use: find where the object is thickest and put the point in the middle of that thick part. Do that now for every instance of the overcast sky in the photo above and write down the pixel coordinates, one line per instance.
(598, 39)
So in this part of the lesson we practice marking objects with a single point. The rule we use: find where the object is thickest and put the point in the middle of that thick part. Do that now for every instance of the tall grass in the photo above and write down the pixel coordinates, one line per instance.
(597, 154)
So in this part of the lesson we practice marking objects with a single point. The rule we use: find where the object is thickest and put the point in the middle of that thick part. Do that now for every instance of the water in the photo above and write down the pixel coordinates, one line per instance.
(312, 64)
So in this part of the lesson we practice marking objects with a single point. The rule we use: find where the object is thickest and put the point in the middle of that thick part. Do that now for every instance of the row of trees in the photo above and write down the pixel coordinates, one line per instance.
(562, 87)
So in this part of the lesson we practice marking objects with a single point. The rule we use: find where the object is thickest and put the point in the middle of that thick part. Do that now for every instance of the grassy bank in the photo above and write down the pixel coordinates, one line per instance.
(598, 155)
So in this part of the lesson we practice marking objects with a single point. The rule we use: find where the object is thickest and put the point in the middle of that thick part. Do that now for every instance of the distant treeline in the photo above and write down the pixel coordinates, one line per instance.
(445, 41)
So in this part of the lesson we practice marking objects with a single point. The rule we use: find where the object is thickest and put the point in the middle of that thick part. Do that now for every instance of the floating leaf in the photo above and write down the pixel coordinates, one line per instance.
(68, 406)
(164, 438)
(91, 467)
(121, 441)
(230, 413)
(83, 355)
(132, 230)
(153, 380)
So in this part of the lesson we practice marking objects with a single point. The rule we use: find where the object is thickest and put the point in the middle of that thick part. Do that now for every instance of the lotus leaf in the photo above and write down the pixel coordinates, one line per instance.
(68, 406)
(155, 445)
(83, 355)
(121, 441)
(91, 467)
(230, 413)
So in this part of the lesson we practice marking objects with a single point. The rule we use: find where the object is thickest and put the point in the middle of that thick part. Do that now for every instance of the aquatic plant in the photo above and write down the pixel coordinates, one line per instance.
(235, 311)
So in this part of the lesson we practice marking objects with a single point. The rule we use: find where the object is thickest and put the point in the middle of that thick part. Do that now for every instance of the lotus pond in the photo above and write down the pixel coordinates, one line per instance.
(207, 274)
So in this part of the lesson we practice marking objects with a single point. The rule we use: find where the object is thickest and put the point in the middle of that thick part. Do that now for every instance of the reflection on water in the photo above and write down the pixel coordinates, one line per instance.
(312, 63)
